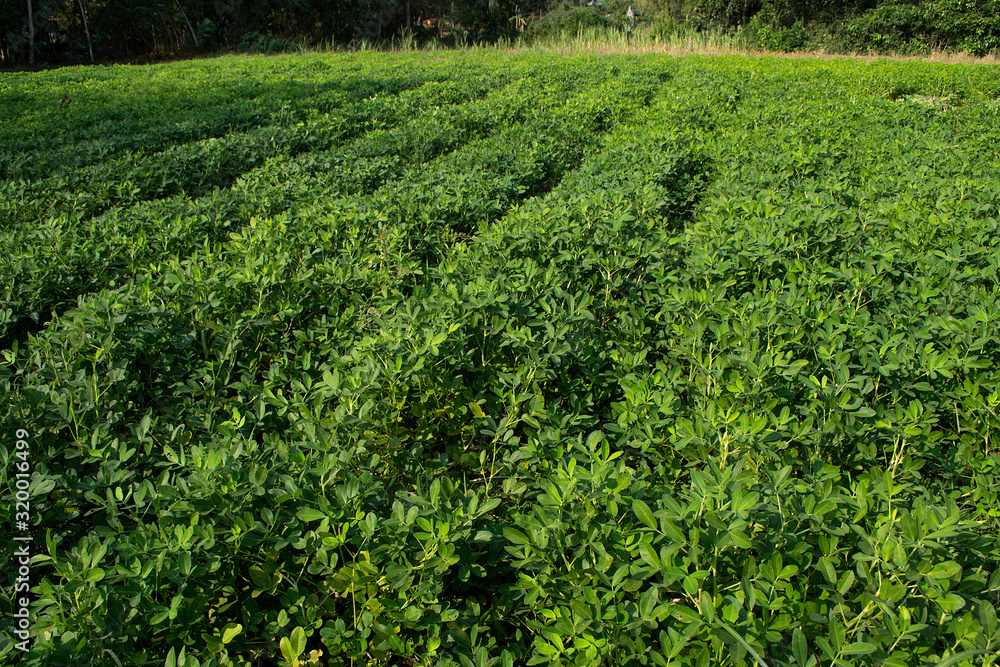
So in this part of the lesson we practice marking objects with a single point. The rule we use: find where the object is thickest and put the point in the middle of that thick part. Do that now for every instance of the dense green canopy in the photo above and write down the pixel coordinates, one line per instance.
(484, 358)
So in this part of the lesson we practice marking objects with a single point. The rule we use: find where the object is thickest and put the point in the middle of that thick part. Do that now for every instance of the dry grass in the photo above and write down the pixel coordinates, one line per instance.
(692, 43)
(703, 44)
(717, 44)
(960, 57)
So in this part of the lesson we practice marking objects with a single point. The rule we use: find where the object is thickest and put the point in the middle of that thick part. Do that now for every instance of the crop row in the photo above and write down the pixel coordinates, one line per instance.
(62, 261)
(72, 124)
(569, 130)
(198, 167)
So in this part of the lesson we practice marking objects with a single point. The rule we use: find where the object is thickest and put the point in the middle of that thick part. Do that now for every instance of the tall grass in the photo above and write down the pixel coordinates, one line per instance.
(597, 40)
(645, 41)
(712, 42)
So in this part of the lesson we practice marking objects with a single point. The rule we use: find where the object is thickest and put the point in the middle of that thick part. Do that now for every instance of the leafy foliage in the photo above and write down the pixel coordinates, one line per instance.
(571, 21)
(489, 360)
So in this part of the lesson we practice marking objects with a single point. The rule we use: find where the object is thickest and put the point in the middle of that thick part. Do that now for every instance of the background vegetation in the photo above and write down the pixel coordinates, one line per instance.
(80, 31)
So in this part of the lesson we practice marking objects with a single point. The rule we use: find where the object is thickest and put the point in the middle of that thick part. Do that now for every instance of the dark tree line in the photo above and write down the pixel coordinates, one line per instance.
(80, 31)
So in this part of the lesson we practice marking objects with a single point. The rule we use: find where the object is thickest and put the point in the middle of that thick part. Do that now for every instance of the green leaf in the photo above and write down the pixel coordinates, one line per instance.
(945, 570)
(310, 514)
(859, 648)
(800, 647)
(516, 536)
(42, 487)
(781, 476)
(748, 501)
(647, 603)
(847, 582)
(707, 607)
(644, 514)
(756, 656)
(825, 645)
(825, 566)
(488, 506)
(686, 614)
(619, 576)
(740, 539)
(230, 632)
(259, 577)
(593, 439)
(171, 660)
(951, 602)
(649, 556)
(298, 641)
(286, 649)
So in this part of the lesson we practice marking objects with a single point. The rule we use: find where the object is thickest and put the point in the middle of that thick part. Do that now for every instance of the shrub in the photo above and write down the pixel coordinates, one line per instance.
(267, 44)
(208, 34)
(570, 21)
(771, 37)
(970, 26)
(886, 28)
(949, 24)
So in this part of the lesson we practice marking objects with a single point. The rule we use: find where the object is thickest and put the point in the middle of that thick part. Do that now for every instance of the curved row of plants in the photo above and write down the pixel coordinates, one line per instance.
(270, 275)
(63, 257)
(72, 118)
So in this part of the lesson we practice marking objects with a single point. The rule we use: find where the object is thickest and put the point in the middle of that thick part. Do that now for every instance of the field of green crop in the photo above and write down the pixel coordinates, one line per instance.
(488, 359)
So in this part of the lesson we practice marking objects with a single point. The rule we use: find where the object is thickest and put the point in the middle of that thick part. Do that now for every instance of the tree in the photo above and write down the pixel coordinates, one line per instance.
(194, 37)
(31, 35)
(86, 30)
